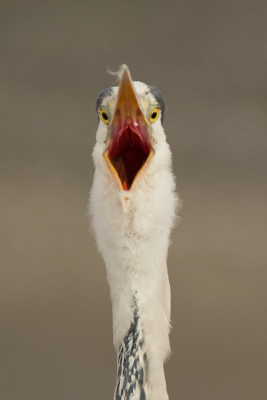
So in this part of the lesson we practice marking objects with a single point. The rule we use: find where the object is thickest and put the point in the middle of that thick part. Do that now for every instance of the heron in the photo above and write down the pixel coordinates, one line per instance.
(133, 204)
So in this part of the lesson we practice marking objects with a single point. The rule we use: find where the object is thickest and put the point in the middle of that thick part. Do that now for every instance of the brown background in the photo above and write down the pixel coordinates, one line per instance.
(209, 59)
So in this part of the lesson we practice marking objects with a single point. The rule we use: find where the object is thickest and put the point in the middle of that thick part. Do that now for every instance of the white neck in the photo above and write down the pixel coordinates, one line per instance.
(134, 246)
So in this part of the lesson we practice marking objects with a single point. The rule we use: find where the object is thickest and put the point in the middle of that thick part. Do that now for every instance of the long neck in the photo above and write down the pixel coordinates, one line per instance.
(140, 294)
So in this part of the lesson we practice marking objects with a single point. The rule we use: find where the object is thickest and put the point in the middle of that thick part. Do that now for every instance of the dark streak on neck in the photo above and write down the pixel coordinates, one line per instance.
(132, 362)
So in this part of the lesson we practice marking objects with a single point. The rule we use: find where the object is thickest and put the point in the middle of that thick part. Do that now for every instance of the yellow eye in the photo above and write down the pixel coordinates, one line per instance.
(104, 116)
(154, 115)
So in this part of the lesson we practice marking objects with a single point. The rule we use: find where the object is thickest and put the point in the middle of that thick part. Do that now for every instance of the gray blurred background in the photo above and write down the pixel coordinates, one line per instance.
(209, 59)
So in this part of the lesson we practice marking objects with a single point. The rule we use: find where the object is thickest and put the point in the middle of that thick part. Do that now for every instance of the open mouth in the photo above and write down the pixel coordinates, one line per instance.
(128, 155)
(129, 145)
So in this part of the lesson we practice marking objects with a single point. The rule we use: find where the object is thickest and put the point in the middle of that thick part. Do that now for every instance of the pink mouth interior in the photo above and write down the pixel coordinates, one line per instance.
(128, 155)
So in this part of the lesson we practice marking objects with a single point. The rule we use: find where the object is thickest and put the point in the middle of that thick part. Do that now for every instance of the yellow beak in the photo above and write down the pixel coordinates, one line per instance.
(129, 146)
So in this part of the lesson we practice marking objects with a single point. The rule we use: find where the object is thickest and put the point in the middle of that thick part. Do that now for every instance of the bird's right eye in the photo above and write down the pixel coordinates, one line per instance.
(104, 116)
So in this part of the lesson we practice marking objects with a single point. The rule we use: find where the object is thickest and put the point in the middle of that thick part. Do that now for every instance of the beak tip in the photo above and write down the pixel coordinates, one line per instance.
(124, 72)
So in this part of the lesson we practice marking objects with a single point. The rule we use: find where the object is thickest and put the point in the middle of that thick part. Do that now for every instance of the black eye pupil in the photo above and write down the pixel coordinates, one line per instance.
(104, 115)
(154, 115)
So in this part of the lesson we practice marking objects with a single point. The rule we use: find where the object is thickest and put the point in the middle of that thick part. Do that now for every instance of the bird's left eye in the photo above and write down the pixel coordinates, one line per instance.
(104, 116)
(154, 115)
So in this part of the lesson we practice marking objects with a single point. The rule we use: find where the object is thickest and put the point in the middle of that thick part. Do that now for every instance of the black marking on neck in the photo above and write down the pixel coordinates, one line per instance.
(132, 362)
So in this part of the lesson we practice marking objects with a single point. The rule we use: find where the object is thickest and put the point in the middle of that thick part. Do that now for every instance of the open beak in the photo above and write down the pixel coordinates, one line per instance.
(129, 145)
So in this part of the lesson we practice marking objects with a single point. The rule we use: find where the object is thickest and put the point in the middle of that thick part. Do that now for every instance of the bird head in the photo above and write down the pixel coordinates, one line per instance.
(130, 128)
